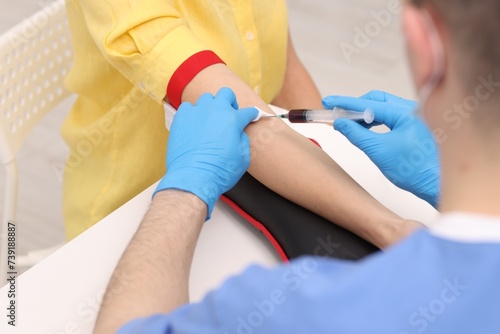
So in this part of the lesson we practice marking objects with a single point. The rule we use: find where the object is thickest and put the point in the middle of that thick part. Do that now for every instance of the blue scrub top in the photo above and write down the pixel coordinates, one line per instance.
(426, 284)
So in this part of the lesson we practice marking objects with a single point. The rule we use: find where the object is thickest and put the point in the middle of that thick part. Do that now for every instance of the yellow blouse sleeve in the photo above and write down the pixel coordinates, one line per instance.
(146, 40)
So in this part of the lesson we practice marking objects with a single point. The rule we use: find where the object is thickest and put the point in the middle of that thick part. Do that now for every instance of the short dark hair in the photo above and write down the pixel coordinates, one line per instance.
(474, 27)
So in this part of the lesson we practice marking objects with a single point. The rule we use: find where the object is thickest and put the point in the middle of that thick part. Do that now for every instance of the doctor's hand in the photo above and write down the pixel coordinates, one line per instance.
(407, 155)
(208, 150)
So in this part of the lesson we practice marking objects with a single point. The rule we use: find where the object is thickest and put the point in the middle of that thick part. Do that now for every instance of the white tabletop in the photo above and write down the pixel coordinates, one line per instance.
(62, 293)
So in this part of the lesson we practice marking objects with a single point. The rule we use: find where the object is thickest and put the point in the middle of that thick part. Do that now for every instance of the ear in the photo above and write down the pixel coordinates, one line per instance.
(418, 45)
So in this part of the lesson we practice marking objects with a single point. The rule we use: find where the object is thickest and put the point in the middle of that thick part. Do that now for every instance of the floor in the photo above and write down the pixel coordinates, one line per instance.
(350, 47)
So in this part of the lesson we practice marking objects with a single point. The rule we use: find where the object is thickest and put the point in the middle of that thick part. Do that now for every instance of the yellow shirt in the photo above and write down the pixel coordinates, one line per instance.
(126, 52)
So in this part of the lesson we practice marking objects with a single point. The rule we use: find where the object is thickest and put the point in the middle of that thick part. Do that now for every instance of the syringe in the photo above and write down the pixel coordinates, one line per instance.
(327, 116)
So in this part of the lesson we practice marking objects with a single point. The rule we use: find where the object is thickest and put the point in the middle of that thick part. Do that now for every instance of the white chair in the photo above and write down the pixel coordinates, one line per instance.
(35, 57)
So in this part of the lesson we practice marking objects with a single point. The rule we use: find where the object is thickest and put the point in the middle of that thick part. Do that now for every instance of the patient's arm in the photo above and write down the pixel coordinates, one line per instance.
(281, 157)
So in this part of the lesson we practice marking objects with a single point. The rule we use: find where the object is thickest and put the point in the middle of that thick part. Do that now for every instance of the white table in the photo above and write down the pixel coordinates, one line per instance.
(62, 293)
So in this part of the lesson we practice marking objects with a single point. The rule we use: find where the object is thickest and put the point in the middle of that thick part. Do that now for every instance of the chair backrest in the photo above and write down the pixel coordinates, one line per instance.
(35, 57)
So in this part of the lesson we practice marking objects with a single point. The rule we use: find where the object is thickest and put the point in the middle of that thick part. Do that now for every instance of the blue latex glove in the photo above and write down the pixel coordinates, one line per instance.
(407, 155)
(208, 151)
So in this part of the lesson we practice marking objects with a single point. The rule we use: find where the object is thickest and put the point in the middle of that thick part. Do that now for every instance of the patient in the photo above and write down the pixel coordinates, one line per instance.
(131, 56)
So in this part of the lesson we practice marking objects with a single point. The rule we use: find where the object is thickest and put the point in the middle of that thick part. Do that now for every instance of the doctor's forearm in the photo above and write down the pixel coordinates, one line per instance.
(156, 263)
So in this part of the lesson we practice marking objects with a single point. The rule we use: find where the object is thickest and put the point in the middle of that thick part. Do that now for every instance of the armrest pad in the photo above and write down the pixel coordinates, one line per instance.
(293, 230)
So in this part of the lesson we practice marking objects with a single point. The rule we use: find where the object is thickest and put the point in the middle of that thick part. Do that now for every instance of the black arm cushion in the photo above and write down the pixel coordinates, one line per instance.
(293, 230)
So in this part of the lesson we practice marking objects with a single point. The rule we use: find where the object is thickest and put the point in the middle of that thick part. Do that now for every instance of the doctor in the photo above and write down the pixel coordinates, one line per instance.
(441, 280)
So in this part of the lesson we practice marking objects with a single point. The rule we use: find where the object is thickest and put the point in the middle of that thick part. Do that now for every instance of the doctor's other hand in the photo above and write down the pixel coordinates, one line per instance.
(407, 155)
(208, 150)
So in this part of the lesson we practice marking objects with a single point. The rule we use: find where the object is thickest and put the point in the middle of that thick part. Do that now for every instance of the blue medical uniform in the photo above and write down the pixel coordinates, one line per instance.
(433, 282)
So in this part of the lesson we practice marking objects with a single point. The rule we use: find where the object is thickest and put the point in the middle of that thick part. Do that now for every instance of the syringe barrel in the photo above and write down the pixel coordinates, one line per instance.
(310, 116)
(328, 116)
